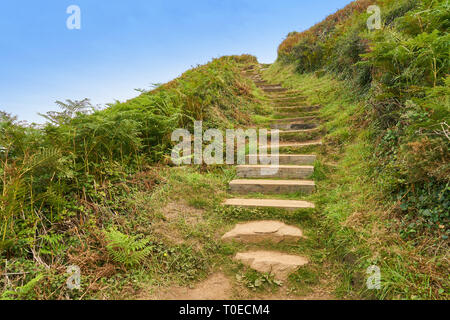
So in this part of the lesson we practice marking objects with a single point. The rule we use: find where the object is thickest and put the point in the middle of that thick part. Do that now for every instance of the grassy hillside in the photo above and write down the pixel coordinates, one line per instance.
(387, 96)
(80, 190)
(94, 188)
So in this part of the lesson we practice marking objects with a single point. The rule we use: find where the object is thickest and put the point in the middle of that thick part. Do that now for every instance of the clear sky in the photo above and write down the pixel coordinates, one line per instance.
(128, 44)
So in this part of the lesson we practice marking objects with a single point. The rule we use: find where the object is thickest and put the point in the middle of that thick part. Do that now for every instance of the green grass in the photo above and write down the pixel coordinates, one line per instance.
(86, 191)
(356, 216)
(63, 186)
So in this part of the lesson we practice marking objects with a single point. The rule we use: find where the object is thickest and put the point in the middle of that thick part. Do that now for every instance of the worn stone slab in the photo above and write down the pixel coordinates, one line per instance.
(270, 203)
(293, 125)
(292, 145)
(266, 186)
(269, 86)
(279, 264)
(295, 159)
(297, 108)
(298, 135)
(261, 231)
(284, 132)
(296, 120)
(274, 171)
(273, 89)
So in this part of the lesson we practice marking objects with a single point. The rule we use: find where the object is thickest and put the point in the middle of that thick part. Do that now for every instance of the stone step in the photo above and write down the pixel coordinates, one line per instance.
(298, 135)
(292, 144)
(293, 113)
(293, 126)
(263, 231)
(296, 159)
(286, 132)
(266, 186)
(297, 108)
(285, 143)
(290, 205)
(296, 119)
(281, 265)
(285, 136)
(274, 171)
(274, 89)
(291, 102)
(293, 97)
(269, 86)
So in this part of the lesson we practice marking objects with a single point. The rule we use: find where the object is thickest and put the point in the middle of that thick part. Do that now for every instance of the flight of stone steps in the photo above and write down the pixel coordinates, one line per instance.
(299, 129)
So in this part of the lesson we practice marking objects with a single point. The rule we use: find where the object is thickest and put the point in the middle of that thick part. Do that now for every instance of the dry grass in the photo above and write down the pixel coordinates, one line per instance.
(324, 27)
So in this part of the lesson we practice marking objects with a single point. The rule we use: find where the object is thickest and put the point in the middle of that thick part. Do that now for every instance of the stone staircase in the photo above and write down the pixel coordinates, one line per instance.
(299, 129)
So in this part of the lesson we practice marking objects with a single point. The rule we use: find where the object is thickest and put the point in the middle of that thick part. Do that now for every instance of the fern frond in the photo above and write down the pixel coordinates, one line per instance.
(125, 249)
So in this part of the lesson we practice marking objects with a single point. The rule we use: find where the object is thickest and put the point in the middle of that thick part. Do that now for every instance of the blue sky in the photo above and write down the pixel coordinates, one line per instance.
(123, 45)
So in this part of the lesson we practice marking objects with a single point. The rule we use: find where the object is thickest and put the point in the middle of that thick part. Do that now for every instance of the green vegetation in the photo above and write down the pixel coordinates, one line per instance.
(125, 249)
(386, 99)
(87, 171)
(95, 188)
